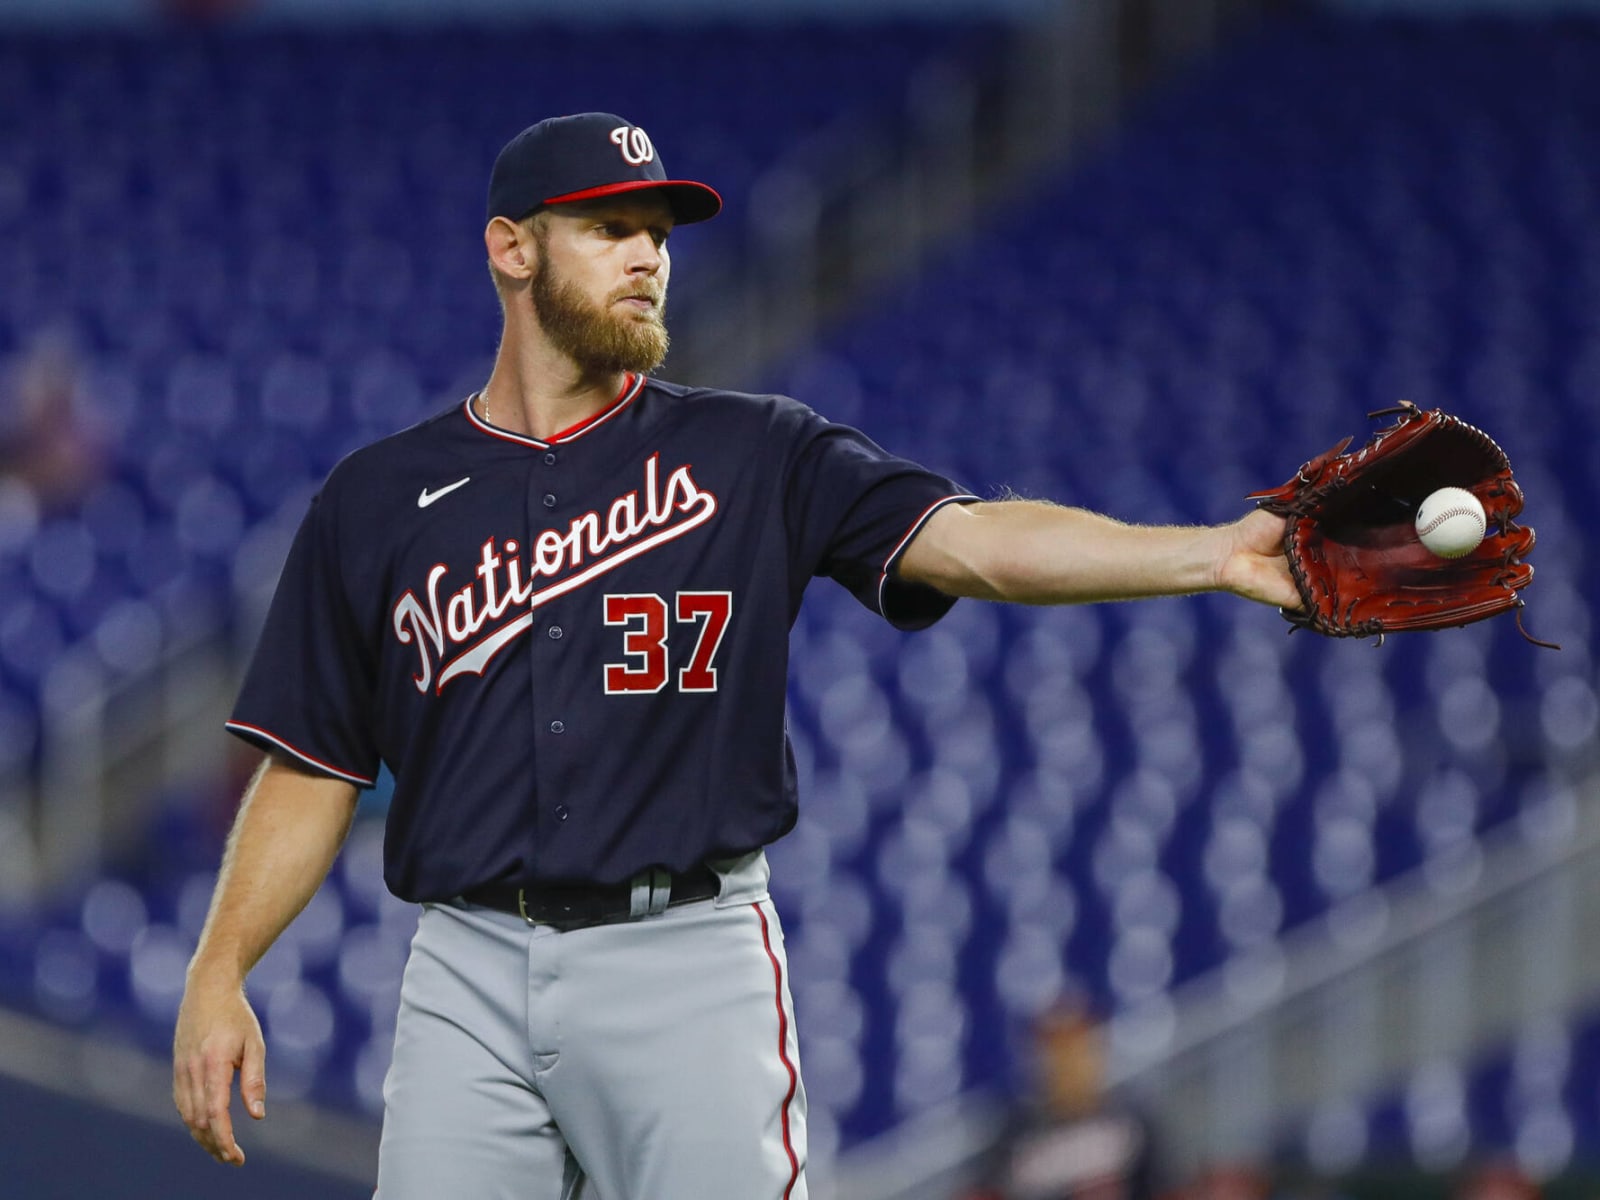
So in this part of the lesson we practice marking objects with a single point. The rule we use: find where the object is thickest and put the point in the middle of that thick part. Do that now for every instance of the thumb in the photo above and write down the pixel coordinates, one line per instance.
(253, 1078)
(1262, 531)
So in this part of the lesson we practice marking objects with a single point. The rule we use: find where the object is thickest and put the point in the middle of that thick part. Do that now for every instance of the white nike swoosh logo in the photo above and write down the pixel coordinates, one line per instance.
(428, 497)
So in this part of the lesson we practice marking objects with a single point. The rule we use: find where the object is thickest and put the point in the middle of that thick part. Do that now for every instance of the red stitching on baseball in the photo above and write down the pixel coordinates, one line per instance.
(1446, 515)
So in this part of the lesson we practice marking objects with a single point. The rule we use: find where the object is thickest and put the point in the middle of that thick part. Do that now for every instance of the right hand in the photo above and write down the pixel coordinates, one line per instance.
(217, 1034)
(1253, 564)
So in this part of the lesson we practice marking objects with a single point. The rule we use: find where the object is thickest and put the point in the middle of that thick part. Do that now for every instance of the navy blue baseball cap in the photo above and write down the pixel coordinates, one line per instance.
(584, 157)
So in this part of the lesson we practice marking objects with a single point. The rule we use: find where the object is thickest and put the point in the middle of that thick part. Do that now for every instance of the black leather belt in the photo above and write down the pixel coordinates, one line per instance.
(574, 906)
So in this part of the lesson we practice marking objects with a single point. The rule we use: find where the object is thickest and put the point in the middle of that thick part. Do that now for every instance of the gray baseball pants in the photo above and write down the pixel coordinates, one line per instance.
(649, 1060)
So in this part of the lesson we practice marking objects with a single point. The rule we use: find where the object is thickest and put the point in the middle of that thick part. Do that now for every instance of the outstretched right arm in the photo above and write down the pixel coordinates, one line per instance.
(288, 832)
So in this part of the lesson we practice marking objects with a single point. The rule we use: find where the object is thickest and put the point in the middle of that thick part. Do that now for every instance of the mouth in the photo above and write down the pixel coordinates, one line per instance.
(639, 302)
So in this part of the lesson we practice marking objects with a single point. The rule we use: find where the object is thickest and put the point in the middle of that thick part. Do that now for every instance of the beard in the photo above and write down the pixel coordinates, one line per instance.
(598, 337)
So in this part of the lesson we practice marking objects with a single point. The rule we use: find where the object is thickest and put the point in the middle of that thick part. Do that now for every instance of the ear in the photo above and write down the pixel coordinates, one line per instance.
(511, 248)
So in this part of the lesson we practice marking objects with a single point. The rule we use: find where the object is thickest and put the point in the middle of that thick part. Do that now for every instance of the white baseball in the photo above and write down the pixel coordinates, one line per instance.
(1451, 523)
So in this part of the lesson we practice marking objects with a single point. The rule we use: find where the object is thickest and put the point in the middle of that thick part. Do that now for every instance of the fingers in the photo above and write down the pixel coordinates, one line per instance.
(1277, 585)
(1272, 585)
(217, 1086)
(1291, 599)
(253, 1078)
(182, 1092)
(188, 1091)
(202, 1084)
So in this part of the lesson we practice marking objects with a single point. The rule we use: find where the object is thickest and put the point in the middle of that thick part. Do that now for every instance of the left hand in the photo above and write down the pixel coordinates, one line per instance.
(1253, 563)
(217, 1033)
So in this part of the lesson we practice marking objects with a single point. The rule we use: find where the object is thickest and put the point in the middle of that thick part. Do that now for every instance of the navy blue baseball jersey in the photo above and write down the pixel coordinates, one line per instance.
(572, 653)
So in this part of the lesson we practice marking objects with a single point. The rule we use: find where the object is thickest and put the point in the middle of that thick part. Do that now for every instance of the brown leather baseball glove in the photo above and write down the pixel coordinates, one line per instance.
(1351, 537)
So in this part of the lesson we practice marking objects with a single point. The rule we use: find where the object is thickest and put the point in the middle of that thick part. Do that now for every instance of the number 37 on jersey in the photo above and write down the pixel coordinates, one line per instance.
(659, 633)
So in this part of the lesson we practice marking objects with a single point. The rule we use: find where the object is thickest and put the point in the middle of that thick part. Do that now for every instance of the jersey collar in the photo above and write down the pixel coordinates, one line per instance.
(632, 385)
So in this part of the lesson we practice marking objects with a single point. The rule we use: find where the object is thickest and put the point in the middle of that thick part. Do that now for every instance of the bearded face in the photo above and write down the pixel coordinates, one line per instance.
(609, 336)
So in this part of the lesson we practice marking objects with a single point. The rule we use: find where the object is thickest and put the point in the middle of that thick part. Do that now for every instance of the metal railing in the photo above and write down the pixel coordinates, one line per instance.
(1452, 959)
(1455, 958)
(110, 744)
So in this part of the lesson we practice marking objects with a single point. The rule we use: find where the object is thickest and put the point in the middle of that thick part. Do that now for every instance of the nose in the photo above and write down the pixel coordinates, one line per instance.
(645, 257)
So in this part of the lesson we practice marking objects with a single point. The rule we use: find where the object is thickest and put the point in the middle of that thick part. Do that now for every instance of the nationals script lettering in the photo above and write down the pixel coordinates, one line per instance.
(445, 627)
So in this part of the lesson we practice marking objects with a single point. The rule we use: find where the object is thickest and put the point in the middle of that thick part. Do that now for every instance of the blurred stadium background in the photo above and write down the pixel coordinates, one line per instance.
(1335, 901)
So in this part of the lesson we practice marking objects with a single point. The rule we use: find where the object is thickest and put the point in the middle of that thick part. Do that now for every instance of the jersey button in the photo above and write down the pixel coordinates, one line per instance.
(561, 812)
(555, 633)
(550, 459)
(558, 727)
(549, 500)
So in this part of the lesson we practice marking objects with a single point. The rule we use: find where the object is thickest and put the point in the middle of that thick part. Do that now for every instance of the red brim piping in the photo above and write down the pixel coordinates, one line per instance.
(690, 201)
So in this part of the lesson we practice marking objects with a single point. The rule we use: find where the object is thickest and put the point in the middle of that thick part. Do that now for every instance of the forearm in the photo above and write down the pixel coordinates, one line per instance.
(1030, 552)
(288, 832)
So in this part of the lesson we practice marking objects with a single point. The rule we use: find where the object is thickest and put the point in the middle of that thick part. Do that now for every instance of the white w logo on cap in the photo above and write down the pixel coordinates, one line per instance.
(634, 144)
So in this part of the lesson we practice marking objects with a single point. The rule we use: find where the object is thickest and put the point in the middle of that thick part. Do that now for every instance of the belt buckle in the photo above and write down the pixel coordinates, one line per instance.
(564, 924)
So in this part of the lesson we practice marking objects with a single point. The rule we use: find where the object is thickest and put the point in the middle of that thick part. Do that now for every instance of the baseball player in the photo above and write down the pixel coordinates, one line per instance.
(559, 612)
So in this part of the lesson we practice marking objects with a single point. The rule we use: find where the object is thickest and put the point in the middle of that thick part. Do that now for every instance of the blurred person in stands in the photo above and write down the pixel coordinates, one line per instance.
(1496, 1179)
(1233, 1181)
(1069, 1140)
(49, 444)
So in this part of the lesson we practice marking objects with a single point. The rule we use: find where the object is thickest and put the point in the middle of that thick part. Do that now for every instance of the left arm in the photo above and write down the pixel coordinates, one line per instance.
(1031, 552)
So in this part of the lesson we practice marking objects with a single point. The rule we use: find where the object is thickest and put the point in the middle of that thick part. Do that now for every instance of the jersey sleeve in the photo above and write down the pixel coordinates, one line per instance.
(854, 508)
(310, 686)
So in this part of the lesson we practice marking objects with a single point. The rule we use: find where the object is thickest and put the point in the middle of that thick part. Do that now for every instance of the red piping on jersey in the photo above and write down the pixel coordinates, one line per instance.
(783, 1051)
(916, 527)
(632, 385)
(349, 776)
